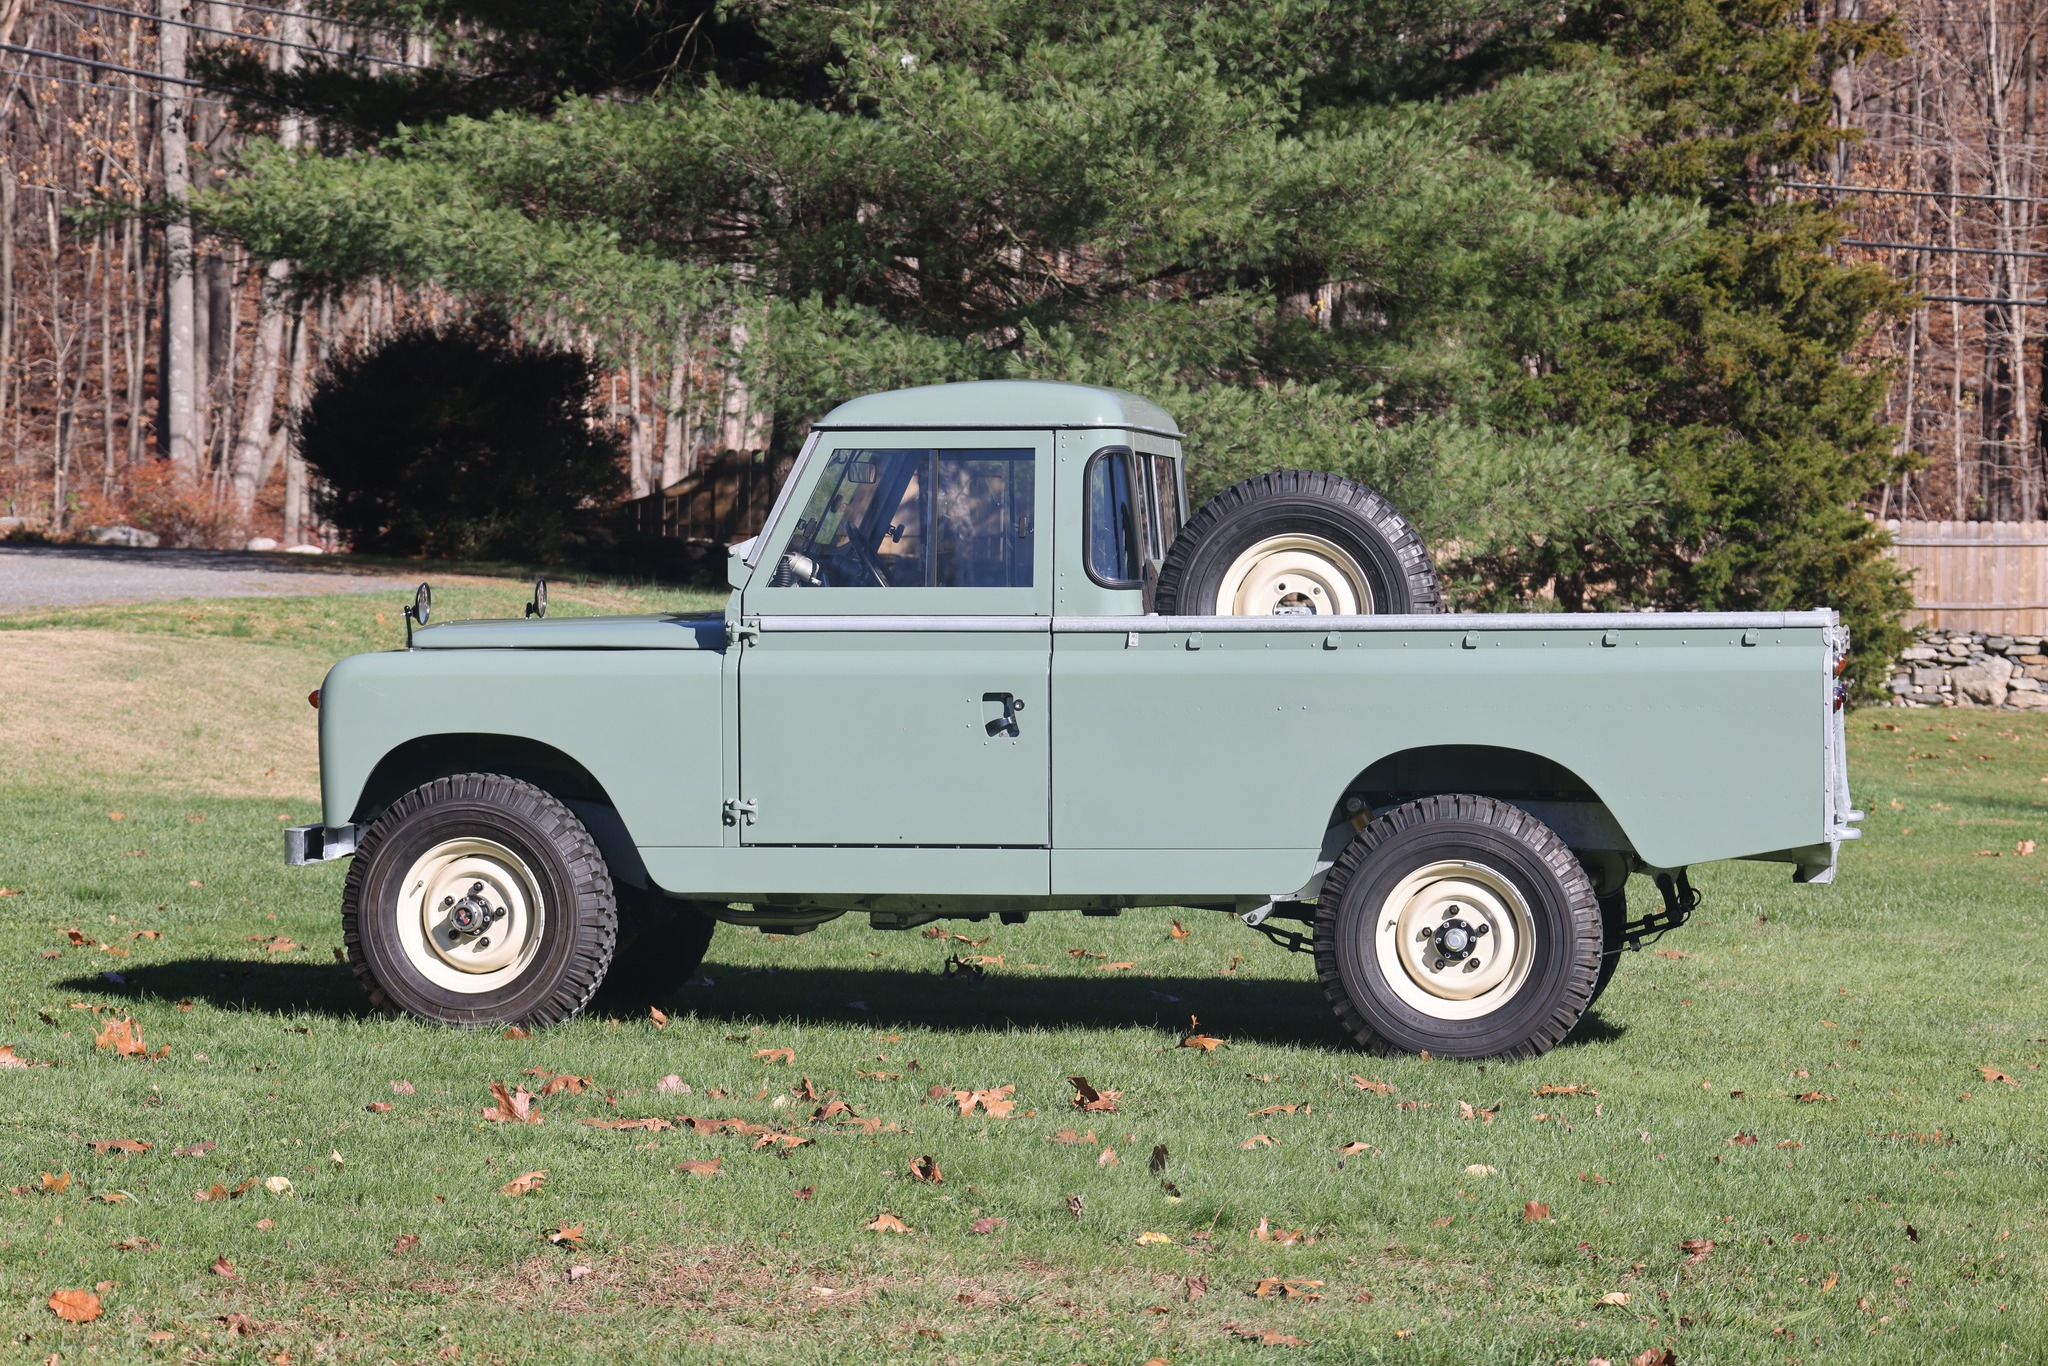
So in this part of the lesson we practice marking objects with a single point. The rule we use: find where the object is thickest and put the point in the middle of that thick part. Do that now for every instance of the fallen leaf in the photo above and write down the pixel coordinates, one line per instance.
(1069, 1136)
(1109, 1159)
(1378, 1088)
(558, 1082)
(123, 1037)
(1535, 1212)
(987, 1224)
(1157, 1164)
(1993, 1074)
(223, 1268)
(379, 1107)
(404, 1243)
(1257, 1141)
(672, 1085)
(515, 1032)
(116, 816)
(996, 1103)
(1479, 1171)
(1813, 1098)
(568, 1235)
(2024, 848)
(1273, 1287)
(278, 1185)
(1466, 1111)
(1087, 1098)
(524, 1184)
(1744, 1140)
(102, 1146)
(266, 1225)
(199, 1149)
(1178, 931)
(1266, 1233)
(1672, 953)
(1267, 1337)
(1696, 1250)
(1075, 1204)
(56, 1184)
(1618, 1298)
(805, 1193)
(1301, 1107)
(1655, 1356)
(785, 1056)
(1576, 1088)
(133, 1245)
(926, 1169)
(512, 1107)
(576, 1273)
(1154, 1240)
(75, 1306)
(1194, 1038)
(887, 1223)
(1114, 967)
(1354, 1148)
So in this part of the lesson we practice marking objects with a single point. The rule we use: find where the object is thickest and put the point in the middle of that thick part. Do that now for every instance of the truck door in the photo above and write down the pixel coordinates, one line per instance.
(897, 691)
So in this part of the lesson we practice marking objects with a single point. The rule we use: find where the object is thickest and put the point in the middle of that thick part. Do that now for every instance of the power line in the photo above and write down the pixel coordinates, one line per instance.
(105, 66)
(1916, 194)
(1971, 299)
(98, 85)
(317, 18)
(246, 37)
(1933, 246)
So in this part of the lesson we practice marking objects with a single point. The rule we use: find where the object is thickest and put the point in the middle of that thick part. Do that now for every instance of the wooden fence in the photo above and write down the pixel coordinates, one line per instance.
(726, 499)
(1976, 576)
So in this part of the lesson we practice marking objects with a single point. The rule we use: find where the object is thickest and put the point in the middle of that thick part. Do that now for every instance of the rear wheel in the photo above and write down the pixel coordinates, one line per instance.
(1458, 926)
(479, 900)
(1294, 543)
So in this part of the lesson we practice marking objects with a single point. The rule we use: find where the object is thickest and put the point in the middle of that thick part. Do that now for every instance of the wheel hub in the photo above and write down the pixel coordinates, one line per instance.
(1294, 575)
(1454, 939)
(470, 915)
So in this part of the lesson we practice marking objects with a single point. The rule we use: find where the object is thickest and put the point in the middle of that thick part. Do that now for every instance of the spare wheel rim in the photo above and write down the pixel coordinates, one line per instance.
(1433, 917)
(489, 886)
(1294, 574)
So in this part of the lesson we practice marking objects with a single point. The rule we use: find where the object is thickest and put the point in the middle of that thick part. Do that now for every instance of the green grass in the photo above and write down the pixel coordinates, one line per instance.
(1902, 1218)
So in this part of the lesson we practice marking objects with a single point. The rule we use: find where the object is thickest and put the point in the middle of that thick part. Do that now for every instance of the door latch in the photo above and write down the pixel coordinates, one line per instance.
(1006, 724)
(741, 812)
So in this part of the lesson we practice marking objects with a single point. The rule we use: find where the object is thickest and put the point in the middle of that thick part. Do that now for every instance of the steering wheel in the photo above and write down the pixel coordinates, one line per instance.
(867, 561)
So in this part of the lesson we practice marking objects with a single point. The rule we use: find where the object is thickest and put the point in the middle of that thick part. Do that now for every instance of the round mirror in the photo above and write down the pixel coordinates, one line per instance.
(422, 604)
(539, 606)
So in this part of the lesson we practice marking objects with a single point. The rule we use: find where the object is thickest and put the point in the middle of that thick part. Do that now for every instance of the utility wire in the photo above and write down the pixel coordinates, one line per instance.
(105, 66)
(317, 18)
(1970, 299)
(246, 37)
(1932, 246)
(1916, 194)
(99, 85)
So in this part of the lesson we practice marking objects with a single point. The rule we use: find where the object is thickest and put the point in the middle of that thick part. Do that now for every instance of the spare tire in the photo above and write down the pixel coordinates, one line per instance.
(1297, 543)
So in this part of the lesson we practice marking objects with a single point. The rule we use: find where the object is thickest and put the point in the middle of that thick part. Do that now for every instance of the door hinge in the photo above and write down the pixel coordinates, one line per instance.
(741, 812)
(743, 633)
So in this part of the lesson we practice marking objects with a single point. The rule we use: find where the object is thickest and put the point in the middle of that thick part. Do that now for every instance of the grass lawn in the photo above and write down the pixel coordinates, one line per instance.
(1793, 1079)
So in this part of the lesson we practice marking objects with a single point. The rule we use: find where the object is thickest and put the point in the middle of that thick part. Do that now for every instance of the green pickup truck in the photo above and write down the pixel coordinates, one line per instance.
(981, 662)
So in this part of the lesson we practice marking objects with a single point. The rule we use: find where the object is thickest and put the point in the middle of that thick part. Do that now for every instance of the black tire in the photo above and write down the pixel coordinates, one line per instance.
(662, 943)
(1383, 548)
(566, 954)
(1613, 920)
(1563, 932)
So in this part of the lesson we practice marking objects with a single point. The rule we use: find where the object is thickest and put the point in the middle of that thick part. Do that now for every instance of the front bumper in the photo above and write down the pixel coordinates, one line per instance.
(305, 844)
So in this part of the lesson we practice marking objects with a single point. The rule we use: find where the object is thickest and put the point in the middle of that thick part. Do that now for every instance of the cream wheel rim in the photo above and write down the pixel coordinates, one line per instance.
(470, 915)
(1454, 940)
(1294, 575)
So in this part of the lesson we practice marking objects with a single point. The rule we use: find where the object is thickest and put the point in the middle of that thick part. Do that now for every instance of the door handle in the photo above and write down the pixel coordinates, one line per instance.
(1006, 724)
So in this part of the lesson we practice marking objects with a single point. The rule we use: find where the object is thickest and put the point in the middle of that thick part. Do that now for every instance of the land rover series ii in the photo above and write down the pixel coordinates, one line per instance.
(980, 662)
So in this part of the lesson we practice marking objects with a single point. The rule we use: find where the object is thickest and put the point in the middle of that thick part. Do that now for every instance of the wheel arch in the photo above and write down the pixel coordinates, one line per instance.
(1549, 790)
(425, 758)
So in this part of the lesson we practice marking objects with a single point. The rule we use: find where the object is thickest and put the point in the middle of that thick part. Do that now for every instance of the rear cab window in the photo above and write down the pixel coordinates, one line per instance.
(1133, 508)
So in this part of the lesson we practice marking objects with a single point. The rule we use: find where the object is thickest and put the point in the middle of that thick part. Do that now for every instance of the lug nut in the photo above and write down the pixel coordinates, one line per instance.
(484, 942)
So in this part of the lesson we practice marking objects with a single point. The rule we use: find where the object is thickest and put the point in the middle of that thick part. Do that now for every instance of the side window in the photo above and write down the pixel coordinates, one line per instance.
(1112, 538)
(916, 518)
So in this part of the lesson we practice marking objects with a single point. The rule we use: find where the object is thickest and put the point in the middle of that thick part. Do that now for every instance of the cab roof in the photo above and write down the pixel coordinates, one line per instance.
(1002, 404)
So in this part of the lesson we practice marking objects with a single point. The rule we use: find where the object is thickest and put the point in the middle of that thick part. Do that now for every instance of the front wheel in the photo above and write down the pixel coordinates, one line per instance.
(479, 900)
(1458, 926)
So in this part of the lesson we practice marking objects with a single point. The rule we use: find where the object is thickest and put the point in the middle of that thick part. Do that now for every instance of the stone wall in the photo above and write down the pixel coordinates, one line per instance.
(1970, 669)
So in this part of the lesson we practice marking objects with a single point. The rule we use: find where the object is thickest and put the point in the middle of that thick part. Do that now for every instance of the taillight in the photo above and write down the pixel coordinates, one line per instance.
(1841, 666)
(1841, 695)
(313, 699)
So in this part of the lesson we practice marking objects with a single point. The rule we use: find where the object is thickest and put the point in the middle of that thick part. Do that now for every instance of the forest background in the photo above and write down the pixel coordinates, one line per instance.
(1577, 284)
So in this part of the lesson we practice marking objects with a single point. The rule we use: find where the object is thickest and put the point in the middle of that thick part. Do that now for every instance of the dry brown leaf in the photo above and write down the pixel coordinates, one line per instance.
(1617, 1298)
(1257, 1141)
(123, 1036)
(404, 1243)
(558, 1082)
(1466, 1111)
(1813, 1098)
(655, 1015)
(379, 1107)
(10, 1059)
(1354, 1148)
(1154, 1240)
(1298, 1107)
(1108, 1158)
(1696, 1250)
(133, 1245)
(1114, 967)
(55, 1183)
(653, 1124)
(996, 1103)
(926, 1169)
(1086, 953)
(1992, 1074)
(805, 1192)
(832, 1109)
(1178, 931)
(1266, 1233)
(102, 1146)
(887, 1223)
(785, 1056)
(1069, 1136)
(1576, 1088)
(1744, 1140)
(512, 1107)
(1655, 1356)
(672, 1085)
(1273, 1287)
(1195, 1038)
(524, 1184)
(75, 1306)
(1535, 1212)
(1378, 1088)
(568, 1235)
(223, 1268)
(702, 1168)
(987, 1224)
(516, 1033)
(1087, 1098)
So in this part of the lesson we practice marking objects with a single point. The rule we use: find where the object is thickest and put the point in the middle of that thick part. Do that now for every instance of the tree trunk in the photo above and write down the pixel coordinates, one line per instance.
(179, 436)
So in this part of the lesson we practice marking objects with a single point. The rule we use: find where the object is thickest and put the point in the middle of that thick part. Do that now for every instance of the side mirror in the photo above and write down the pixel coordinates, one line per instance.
(539, 606)
(417, 612)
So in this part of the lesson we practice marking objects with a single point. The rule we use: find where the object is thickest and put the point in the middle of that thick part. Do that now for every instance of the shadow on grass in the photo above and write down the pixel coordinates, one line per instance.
(1248, 1010)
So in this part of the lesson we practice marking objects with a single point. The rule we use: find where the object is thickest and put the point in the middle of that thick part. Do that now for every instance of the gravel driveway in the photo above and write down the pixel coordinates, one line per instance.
(40, 576)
